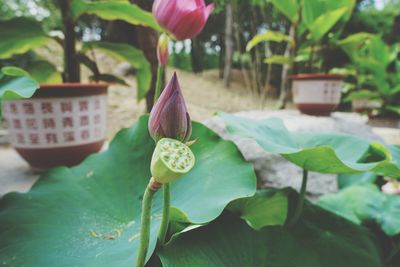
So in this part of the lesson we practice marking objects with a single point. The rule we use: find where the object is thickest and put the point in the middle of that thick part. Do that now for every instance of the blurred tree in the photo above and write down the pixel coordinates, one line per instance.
(367, 18)
(147, 40)
(141, 37)
(229, 43)
(197, 54)
(42, 10)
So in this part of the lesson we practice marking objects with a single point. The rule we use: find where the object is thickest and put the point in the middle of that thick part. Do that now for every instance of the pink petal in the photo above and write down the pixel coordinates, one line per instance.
(209, 10)
(163, 10)
(190, 5)
(190, 25)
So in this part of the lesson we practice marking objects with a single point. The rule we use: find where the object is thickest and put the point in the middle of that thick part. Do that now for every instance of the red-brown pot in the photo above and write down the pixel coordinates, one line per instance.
(317, 94)
(365, 105)
(60, 125)
(384, 121)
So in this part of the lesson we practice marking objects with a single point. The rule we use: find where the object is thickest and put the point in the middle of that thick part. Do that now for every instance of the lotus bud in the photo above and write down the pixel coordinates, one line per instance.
(184, 19)
(171, 160)
(169, 116)
(163, 50)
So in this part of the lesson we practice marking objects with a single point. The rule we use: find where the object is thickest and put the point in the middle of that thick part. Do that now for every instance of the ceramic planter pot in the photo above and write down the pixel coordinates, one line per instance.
(364, 104)
(59, 126)
(384, 121)
(317, 94)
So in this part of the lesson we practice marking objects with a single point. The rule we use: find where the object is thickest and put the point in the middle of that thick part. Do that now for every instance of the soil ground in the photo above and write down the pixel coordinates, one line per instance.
(205, 93)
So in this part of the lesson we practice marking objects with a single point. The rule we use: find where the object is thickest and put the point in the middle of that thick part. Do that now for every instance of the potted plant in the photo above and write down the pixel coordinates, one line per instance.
(65, 121)
(314, 30)
(378, 78)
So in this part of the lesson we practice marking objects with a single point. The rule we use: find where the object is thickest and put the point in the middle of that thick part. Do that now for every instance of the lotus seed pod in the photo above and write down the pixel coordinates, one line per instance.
(171, 160)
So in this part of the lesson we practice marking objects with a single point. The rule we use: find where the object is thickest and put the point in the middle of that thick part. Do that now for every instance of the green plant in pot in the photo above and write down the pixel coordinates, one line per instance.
(378, 69)
(65, 121)
(315, 27)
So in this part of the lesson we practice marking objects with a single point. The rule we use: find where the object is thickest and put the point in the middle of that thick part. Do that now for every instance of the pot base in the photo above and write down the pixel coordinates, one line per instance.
(316, 109)
(384, 122)
(41, 160)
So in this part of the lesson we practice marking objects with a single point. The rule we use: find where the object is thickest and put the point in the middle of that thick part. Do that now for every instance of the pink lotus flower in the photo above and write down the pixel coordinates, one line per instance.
(184, 19)
(169, 117)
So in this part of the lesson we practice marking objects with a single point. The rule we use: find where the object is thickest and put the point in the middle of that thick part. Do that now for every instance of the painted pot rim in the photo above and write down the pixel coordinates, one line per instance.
(56, 86)
(317, 76)
(70, 90)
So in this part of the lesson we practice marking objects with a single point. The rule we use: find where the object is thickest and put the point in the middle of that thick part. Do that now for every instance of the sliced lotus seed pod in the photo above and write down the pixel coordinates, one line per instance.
(171, 160)
(165, 147)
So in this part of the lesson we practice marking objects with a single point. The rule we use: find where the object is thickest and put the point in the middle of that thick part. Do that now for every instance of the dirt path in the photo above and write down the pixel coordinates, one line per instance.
(205, 93)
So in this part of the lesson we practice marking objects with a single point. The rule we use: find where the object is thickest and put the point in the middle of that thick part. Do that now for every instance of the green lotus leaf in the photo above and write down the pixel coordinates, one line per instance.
(265, 208)
(314, 151)
(320, 238)
(89, 215)
(15, 83)
(366, 203)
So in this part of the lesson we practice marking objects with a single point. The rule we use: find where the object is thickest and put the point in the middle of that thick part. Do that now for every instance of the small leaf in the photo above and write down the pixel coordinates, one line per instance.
(363, 94)
(320, 17)
(115, 10)
(395, 109)
(280, 60)
(133, 56)
(15, 83)
(20, 35)
(271, 36)
(89, 63)
(44, 72)
(323, 24)
(109, 78)
(395, 90)
(266, 208)
(290, 8)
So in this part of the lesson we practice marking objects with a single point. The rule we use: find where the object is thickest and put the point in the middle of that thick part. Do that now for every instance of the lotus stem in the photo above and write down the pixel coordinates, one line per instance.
(165, 216)
(160, 73)
(151, 189)
(300, 203)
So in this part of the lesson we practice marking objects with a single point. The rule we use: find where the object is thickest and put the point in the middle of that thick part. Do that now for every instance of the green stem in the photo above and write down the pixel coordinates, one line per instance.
(145, 224)
(158, 91)
(300, 202)
(165, 216)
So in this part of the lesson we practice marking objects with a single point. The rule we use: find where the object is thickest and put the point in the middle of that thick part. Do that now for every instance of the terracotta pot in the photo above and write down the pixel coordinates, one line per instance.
(383, 121)
(317, 94)
(364, 104)
(60, 125)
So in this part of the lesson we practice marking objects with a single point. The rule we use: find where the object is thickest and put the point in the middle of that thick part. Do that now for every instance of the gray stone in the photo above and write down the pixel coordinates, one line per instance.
(15, 175)
(3, 137)
(273, 170)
